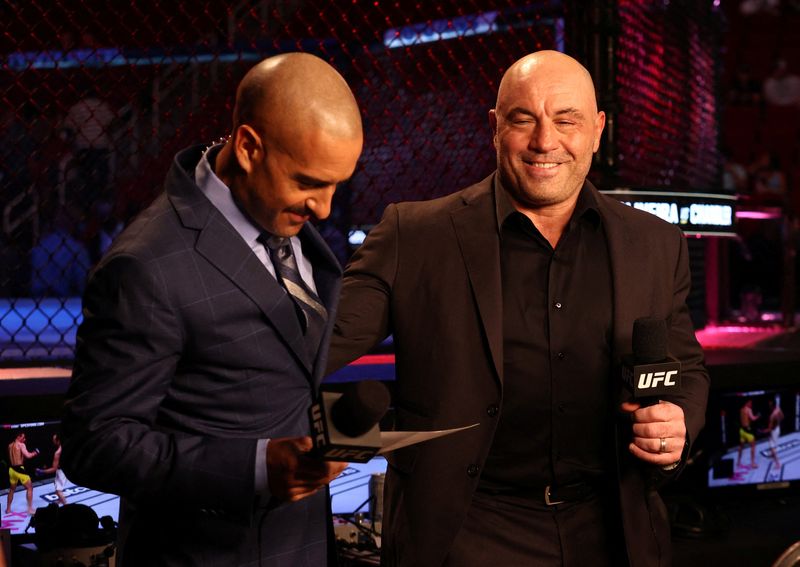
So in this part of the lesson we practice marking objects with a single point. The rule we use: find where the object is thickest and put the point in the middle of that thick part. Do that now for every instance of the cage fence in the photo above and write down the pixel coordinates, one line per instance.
(97, 97)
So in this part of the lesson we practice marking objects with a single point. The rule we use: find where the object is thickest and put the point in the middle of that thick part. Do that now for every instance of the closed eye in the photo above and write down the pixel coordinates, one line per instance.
(307, 182)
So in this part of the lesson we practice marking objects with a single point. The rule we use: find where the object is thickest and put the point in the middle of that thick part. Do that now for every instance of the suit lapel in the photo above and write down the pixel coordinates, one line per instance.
(224, 248)
(328, 279)
(327, 271)
(628, 293)
(630, 299)
(476, 230)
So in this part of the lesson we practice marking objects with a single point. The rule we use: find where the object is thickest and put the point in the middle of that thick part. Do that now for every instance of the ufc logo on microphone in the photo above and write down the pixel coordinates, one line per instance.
(652, 379)
(347, 454)
(317, 425)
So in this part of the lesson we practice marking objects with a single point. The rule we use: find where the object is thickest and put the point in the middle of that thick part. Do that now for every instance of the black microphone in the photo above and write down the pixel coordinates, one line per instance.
(650, 371)
(345, 425)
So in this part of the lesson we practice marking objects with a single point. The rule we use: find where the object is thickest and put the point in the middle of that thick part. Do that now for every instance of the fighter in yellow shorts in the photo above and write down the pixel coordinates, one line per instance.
(746, 436)
(17, 453)
(746, 419)
(18, 476)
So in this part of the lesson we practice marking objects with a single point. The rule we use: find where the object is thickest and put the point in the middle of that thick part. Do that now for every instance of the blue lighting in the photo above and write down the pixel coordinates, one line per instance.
(115, 57)
(42, 329)
(465, 26)
(438, 30)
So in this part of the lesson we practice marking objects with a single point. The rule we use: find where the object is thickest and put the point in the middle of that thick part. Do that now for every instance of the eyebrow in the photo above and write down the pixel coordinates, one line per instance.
(569, 111)
(308, 180)
(312, 181)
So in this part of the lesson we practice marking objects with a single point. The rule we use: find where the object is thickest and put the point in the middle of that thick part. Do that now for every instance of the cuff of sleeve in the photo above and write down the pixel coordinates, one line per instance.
(261, 478)
(670, 467)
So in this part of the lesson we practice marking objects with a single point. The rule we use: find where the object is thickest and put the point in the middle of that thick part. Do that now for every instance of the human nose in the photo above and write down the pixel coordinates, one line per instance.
(320, 203)
(543, 138)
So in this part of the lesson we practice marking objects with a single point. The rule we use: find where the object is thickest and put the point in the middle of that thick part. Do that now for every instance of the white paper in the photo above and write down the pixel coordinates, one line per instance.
(391, 440)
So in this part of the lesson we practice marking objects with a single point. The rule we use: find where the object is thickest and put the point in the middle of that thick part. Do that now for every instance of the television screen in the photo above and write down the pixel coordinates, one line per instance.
(45, 482)
(755, 438)
(350, 490)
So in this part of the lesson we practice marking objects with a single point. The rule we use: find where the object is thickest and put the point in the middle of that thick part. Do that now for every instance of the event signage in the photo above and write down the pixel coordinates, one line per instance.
(698, 214)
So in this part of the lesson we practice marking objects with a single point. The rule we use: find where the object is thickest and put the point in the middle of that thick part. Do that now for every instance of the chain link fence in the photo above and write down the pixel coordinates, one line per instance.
(97, 97)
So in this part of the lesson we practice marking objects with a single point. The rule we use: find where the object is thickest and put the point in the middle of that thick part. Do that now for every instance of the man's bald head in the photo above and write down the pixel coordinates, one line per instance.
(546, 129)
(296, 136)
(295, 92)
(547, 64)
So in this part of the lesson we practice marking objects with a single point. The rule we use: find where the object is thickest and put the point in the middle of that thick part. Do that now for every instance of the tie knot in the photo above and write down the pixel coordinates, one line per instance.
(273, 242)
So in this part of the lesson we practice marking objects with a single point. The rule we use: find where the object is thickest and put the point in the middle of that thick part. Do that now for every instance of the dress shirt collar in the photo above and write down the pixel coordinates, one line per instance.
(221, 197)
(586, 206)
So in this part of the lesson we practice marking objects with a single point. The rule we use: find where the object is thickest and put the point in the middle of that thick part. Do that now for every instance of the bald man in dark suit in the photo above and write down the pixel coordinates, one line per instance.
(205, 336)
(511, 304)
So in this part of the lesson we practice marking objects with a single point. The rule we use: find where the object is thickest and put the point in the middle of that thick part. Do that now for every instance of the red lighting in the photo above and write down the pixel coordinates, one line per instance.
(734, 336)
(759, 214)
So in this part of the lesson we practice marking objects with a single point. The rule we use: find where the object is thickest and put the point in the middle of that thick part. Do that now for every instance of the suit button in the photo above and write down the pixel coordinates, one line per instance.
(561, 355)
(472, 470)
(492, 410)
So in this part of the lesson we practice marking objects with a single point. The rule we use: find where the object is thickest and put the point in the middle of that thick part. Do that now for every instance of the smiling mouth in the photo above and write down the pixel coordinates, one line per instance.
(541, 164)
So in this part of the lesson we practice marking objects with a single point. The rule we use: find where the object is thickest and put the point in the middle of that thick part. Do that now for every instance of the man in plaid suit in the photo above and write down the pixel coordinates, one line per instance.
(196, 361)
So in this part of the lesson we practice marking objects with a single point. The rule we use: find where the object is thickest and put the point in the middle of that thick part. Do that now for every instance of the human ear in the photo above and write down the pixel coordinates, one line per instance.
(247, 147)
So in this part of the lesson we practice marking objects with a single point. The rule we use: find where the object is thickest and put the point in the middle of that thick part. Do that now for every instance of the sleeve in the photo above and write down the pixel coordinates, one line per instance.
(128, 348)
(364, 314)
(261, 476)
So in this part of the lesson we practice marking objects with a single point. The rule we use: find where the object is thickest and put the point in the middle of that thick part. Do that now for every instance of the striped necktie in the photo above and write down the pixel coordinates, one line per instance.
(310, 311)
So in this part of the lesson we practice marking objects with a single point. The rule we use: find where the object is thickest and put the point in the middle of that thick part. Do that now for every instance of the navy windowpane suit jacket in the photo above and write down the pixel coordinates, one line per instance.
(189, 352)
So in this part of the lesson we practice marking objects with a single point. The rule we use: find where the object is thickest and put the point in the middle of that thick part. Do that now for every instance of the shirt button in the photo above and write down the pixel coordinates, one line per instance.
(561, 355)
(558, 304)
(492, 410)
(472, 470)
(562, 407)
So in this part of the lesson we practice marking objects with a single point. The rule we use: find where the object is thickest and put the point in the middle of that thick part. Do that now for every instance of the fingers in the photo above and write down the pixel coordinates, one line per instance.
(660, 459)
(292, 474)
(650, 450)
(659, 433)
(659, 429)
(303, 444)
(303, 488)
(297, 492)
(662, 411)
(313, 469)
(630, 407)
(300, 489)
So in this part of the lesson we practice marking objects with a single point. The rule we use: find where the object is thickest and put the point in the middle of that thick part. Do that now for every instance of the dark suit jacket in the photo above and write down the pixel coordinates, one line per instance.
(189, 352)
(429, 273)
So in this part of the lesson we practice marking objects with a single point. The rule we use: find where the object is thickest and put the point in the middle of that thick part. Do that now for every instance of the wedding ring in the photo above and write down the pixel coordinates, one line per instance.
(663, 445)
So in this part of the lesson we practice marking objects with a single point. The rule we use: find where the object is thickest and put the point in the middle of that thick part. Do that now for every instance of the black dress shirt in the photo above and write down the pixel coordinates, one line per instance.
(555, 420)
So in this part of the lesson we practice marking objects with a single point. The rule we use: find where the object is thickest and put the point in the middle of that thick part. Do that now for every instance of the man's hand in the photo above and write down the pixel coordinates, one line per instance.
(292, 474)
(652, 424)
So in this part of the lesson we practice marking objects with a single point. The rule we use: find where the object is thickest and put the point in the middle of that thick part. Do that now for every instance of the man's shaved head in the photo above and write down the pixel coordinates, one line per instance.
(545, 62)
(296, 91)
(296, 136)
(546, 129)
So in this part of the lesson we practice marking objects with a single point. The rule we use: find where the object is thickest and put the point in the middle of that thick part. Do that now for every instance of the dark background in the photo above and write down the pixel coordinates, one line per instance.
(681, 82)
